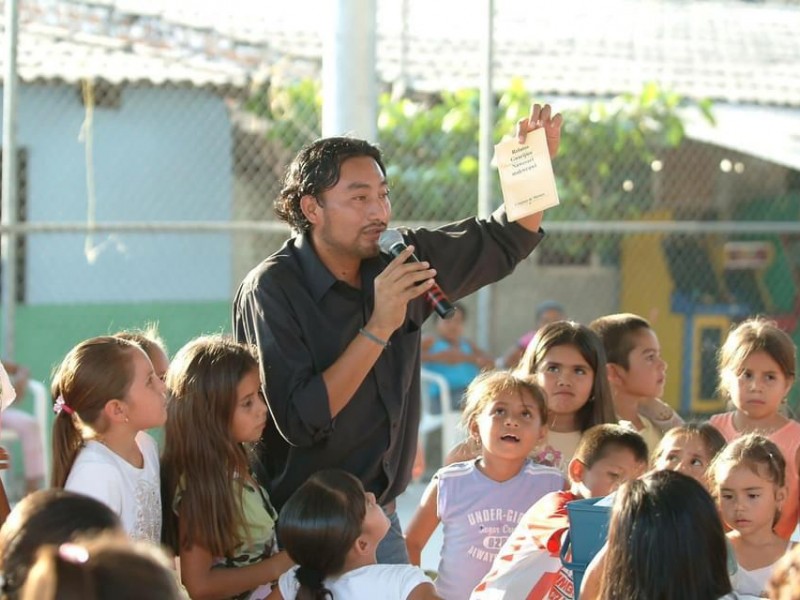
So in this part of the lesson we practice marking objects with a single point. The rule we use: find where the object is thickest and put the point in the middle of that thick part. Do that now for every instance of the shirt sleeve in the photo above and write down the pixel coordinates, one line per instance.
(295, 391)
(408, 578)
(472, 253)
(288, 585)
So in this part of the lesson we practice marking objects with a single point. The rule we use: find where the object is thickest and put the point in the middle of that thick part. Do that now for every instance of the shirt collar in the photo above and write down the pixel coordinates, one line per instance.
(317, 275)
(320, 279)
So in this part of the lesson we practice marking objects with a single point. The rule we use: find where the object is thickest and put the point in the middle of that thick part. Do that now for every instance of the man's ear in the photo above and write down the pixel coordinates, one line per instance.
(310, 206)
(576, 470)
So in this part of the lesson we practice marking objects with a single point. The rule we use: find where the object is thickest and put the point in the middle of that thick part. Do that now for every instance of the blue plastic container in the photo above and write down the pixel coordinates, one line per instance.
(588, 531)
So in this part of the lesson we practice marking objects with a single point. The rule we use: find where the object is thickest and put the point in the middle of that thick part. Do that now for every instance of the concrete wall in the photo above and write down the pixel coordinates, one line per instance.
(160, 154)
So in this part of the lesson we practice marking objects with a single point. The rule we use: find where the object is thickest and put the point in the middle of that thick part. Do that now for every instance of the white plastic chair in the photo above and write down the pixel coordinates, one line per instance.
(446, 422)
(41, 405)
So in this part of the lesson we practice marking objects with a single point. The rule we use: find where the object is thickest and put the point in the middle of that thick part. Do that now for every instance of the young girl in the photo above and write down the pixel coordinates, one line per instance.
(106, 394)
(51, 516)
(150, 341)
(665, 541)
(217, 518)
(480, 501)
(529, 564)
(689, 449)
(749, 483)
(567, 361)
(331, 527)
(757, 369)
(102, 568)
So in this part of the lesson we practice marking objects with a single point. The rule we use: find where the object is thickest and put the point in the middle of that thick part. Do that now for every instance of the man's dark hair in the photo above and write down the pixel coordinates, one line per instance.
(316, 168)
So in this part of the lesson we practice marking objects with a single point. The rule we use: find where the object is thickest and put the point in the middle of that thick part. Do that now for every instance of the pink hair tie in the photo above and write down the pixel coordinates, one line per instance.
(73, 553)
(60, 405)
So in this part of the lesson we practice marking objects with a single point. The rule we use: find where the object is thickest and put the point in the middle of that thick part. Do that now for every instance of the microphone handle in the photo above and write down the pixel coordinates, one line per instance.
(435, 296)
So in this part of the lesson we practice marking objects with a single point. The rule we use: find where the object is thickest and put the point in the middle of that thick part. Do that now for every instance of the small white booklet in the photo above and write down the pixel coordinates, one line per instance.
(526, 175)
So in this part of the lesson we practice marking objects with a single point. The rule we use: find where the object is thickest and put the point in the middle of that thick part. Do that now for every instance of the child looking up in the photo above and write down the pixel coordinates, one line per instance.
(757, 369)
(481, 500)
(636, 373)
(217, 518)
(106, 394)
(529, 563)
(749, 482)
(689, 449)
(567, 360)
(331, 527)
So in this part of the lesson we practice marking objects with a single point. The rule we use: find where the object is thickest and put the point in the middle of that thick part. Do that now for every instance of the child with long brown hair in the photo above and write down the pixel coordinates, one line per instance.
(217, 518)
(757, 365)
(106, 395)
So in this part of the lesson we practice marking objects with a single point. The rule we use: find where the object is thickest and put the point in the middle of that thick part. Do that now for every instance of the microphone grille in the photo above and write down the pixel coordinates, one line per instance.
(389, 238)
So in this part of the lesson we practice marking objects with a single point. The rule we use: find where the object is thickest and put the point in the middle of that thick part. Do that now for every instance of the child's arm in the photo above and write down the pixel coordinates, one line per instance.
(424, 591)
(206, 583)
(275, 594)
(423, 523)
(660, 413)
(590, 586)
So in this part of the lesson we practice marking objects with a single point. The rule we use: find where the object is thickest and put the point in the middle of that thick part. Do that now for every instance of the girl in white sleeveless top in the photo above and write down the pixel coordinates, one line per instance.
(749, 478)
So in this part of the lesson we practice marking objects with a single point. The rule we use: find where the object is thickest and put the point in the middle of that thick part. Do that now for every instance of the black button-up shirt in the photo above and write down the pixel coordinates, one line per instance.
(301, 319)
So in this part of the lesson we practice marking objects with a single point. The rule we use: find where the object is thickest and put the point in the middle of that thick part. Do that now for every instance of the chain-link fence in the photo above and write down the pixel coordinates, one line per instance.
(152, 142)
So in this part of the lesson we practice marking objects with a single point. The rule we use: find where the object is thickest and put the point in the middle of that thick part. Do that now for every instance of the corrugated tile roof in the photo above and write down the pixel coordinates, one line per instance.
(720, 49)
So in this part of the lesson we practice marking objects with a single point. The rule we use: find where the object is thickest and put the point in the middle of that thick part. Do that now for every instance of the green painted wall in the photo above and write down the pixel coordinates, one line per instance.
(46, 333)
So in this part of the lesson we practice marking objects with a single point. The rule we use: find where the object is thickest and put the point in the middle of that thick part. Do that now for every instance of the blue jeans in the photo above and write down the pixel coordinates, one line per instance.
(392, 549)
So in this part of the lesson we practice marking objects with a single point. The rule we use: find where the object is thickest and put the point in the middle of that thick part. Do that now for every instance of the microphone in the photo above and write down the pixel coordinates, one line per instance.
(392, 242)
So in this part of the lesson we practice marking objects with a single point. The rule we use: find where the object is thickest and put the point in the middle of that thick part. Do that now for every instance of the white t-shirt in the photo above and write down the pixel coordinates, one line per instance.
(387, 582)
(134, 494)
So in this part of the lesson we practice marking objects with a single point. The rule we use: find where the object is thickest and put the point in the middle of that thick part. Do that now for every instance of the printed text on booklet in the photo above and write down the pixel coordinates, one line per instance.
(526, 175)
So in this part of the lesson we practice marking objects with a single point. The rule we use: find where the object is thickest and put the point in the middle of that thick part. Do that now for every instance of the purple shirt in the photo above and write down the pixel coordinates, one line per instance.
(478, 514)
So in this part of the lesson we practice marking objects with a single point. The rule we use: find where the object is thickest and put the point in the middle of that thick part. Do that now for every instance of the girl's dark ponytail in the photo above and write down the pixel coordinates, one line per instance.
(318, 526)
(312, 585)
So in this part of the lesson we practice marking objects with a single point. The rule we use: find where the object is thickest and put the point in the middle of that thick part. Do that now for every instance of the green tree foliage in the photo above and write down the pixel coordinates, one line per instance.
(610, 149)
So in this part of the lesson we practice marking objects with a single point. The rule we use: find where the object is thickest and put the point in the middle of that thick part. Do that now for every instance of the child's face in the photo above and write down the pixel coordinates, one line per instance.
(376, 523)
(748, 501)
(160, 363)
(566, 378)
(646, 373)
(146, 399)
(759, 387)
(607, 474)
(509, 426)
(686, 454)
(250, 414)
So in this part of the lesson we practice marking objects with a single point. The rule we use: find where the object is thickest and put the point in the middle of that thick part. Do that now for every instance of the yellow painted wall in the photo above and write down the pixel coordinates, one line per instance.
(642, 259)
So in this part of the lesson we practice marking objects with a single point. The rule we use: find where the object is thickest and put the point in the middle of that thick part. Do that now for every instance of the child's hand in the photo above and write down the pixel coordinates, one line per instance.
(4, 458)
